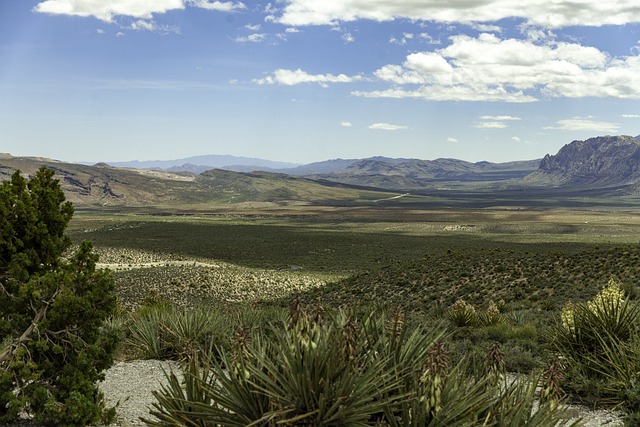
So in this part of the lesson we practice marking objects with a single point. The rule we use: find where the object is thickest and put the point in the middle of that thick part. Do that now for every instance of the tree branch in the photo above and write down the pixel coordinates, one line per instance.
(8, 353)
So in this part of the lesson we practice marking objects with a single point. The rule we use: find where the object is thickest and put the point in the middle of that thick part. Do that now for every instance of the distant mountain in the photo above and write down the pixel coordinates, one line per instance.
(88, 186)
(331, 166)
(198, 164)
(605, 161)
(406, 174)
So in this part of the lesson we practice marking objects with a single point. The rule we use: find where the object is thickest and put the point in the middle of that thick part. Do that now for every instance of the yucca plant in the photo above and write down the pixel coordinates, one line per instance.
(492, 316)
(145, 335)
(300, 376)
(608, 320)
(167, 332)
(517, 403)
(600, 346)
(462, 314)
(214, 393)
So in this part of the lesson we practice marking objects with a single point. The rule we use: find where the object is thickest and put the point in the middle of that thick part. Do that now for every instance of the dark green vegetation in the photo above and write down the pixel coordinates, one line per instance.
(53, 347)
(532, 280)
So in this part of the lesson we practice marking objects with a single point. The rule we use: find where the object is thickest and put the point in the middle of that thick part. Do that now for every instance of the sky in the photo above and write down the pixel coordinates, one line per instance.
(310, 80)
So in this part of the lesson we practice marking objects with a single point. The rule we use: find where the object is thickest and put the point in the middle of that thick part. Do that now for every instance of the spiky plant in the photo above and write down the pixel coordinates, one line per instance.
(462, 314)
(588, 328)
(600, 346)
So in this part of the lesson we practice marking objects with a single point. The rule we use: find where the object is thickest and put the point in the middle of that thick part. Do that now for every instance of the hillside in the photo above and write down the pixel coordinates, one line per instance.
(606, 161)
(103, 185)
(407, 174)
(543, 280)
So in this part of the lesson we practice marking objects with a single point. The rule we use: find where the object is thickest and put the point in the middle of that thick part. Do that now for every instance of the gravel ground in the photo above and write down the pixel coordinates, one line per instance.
(129, 384)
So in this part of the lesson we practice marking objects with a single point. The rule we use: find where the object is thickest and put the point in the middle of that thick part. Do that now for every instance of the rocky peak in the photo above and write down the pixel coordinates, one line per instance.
(600, 161)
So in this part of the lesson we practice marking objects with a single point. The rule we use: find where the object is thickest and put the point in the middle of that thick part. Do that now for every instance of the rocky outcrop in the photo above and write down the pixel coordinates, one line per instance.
(606, 161)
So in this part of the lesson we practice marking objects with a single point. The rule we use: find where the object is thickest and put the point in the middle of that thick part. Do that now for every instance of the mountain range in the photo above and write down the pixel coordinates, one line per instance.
(602, 166)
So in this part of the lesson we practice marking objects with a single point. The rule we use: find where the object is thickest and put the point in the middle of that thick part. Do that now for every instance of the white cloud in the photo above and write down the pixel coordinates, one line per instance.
(486, 28)
(490, 125)
(255, 27)
(141, 24)
(346, 124)
(499, 118)
(452, 139)
(488, 68)
(222, 6)
(106, 10)
(348, 38)
(387, 126)
(556, 14)
(406, 37)
(585, 124)
(251, 38)
(120, 34)
(516, 139)
(100, 31)
(290, 78)
(292, 30)
(631, 116)
(150, 25)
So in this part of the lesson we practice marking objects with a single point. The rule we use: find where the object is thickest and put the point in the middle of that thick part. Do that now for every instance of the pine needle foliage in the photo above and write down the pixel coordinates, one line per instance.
(52, 308)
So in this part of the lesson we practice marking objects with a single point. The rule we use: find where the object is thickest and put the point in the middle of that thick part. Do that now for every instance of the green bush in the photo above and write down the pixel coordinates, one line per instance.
(600, 345)
(52, 310)
(164, 331)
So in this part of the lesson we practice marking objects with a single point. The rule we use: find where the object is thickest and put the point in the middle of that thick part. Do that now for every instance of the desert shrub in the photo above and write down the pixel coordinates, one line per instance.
(52, 309)
(164, 331)
(600, 345)
(340, 369)
(462, 314)
(491, 316)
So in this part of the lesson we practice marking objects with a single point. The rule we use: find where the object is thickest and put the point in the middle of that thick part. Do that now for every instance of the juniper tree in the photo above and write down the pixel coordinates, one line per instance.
(53, 349)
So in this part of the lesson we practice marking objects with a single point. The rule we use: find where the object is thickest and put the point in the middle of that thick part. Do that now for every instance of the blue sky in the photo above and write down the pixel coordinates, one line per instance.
(310, 80)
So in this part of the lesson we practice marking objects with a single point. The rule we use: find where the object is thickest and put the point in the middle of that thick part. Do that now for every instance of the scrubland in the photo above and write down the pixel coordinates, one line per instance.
(475, 294)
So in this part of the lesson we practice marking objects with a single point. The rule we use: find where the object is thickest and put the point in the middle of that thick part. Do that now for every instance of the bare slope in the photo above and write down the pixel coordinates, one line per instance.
(103, 185)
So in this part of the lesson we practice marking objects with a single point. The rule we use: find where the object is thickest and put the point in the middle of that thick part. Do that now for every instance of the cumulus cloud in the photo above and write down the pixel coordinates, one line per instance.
(452, 139)
(387, 126)
(585, 124)
(516, 139)
(251, 38)
(106, 10)
(488, 68)
(222, 6)
(561, 13)
(631, 116)
(255, 27)
(294, 77)
(346, 124)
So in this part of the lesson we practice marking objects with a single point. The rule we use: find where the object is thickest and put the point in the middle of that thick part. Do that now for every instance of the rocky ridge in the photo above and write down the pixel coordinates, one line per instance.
(605, 161)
